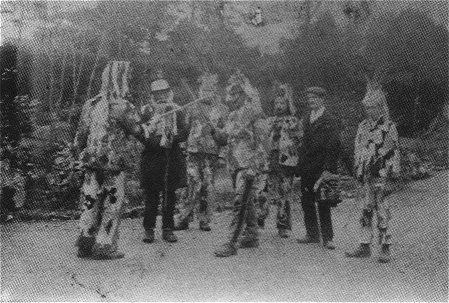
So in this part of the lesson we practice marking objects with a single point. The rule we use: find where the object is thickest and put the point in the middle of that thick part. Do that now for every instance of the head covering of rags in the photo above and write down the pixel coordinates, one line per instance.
(203, 115)
(376, 144)
(104, 144)
(244, 137)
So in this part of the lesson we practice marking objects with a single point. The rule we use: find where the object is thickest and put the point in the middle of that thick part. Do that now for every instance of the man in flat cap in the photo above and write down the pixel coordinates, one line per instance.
(318, 158)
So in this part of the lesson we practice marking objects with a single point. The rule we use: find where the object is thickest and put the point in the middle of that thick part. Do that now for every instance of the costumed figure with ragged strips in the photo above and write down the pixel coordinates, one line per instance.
(376, 162)
(202, 155)
(244, 160)
(104, 147)
(285, 138)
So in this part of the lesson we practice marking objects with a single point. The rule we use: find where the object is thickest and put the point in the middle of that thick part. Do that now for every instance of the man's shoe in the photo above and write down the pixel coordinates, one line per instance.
(308, 240)
(249, 243)
(283, 233)
(169, 236)
(182, 225)
(384, 255)
(329, 244)
(204, 226)
(226, 250)
(112, 256)
(149, 236)
(363, 251)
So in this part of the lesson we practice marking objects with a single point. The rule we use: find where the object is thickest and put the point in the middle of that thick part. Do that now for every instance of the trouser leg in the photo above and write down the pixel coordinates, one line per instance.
(89, 221)
(207, 199)
(113, 190)
(261, 199)
(309, 209)
(383, 217)
(168, 208)
(244, 211)
(366, 220)
(285, 189)
(193, 191)
(151, 207)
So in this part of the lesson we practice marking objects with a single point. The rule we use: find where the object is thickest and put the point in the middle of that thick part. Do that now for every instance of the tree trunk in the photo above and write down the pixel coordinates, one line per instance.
(76, 79)
(61, 91)
(97, 60)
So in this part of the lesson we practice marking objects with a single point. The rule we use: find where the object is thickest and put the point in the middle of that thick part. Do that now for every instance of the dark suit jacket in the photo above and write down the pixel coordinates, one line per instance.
(320, 149)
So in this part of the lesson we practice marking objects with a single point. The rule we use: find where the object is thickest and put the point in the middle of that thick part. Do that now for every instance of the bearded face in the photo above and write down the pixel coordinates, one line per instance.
(161, 96)
(281, 106)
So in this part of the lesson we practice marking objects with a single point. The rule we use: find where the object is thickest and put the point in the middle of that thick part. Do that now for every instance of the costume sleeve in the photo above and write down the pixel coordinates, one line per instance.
(298, 132)
(391, 150)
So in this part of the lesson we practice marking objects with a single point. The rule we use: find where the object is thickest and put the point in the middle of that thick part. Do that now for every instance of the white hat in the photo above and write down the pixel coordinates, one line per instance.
(158, 85)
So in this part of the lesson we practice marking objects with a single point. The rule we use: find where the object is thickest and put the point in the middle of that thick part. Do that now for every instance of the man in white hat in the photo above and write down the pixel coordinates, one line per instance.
(376, 162)
(162, 160)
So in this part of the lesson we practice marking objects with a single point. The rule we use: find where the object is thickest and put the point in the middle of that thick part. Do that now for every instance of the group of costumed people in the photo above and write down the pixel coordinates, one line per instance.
(263, 155)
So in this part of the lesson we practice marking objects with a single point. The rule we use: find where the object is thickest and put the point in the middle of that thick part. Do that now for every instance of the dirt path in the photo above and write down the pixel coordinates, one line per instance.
(39, 262)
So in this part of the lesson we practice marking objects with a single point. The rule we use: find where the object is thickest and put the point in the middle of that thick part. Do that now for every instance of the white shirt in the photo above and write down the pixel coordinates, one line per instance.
(315, 114)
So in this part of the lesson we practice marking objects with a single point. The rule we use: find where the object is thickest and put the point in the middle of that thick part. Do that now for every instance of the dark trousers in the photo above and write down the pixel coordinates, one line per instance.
(160, 175)
(310, 216)
(152, 202)
(7, 199)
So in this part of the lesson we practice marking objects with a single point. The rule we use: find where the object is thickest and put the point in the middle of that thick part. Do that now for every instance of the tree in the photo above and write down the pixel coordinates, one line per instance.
(15, 122)
(414, 51)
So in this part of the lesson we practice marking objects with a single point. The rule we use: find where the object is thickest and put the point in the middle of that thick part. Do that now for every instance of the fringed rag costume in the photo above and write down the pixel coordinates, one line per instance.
(104, 148)
(376, 161)
(202, 154)
(246, 158)
(285, 138)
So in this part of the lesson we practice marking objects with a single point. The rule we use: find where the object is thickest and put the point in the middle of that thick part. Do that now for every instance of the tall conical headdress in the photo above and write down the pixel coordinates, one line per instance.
(286, 91)
(115, 78)
(375, 96)
(238, 78)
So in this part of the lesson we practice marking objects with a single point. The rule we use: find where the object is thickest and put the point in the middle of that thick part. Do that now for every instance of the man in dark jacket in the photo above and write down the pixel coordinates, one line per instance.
(162, 163)
(318, 158)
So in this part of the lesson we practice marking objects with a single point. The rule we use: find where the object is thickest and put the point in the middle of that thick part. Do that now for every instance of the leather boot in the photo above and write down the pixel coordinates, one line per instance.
(363, 251)
(148, 236)
(204, 226)
(226, 250)
(249, 238)
(182, 225)
(308, 240)
(169, 236)
(261, 223)
(384, 254)
(282, 232)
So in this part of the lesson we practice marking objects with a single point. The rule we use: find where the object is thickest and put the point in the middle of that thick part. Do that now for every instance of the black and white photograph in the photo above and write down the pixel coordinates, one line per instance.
(224, 151)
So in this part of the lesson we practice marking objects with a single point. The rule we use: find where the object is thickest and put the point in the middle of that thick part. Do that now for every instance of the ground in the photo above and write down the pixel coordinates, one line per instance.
(39, 263)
